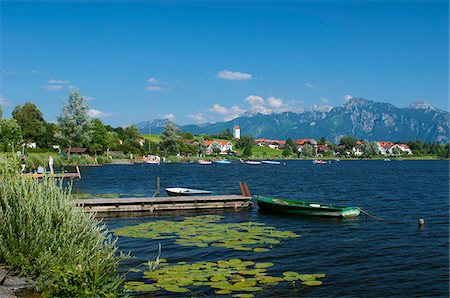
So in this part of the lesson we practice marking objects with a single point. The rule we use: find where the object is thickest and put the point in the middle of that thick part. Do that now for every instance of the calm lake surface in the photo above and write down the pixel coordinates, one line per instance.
(361, 258)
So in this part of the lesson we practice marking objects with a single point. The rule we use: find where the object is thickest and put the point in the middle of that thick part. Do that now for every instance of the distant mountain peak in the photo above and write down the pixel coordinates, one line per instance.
(421, 105)
(358, 102)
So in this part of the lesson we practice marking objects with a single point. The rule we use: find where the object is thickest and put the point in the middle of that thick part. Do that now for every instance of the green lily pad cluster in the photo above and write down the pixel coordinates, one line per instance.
(203, 231)
(226, 277)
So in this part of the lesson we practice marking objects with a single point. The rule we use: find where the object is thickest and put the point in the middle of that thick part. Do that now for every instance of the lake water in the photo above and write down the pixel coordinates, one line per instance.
(361, 258)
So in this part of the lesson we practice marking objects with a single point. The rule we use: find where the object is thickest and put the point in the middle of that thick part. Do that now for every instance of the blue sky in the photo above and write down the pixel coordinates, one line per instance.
(212, 60)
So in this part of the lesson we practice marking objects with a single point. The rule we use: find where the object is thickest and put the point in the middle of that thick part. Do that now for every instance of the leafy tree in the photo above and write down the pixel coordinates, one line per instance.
(286, 151)
(369, 149)
(245, 143)
(73, 122)
(201, 150)
(187, 135)
(1, 112)
(216, 148)
(247, 152)
(322, 141)
(31, 121)
(307, 150)
(226, 134)
(48, 138)
(99, 136)
(10, 132)
(169, 139)
(348, 141)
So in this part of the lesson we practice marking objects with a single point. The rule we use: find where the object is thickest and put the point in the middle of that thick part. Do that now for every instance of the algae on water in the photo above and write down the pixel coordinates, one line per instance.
(203, 231)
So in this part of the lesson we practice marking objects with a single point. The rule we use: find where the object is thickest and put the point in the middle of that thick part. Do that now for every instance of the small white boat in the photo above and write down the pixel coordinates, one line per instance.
(153, 159)
(204, 162)
(319, 162)
(222, 162)
(270, 162)
(181, 191)
(387, 160)
(251, 162)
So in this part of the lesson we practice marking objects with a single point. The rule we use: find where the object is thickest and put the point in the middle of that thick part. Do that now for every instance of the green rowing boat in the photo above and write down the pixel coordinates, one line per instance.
(305, 208)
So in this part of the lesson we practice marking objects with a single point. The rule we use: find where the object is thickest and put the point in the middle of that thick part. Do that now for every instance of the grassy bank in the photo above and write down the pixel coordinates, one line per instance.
(45, 237)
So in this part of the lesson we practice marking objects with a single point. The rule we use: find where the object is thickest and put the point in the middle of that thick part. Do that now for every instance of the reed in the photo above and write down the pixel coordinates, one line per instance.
(45, 237)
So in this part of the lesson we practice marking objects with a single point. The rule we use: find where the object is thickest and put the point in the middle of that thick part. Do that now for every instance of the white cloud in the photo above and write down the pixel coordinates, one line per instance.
(89, 98)
(233, 75)
(257, 104)
(275, 102)
(347, 97)
(198, 118)
(53, 81)
(313, 86)
(228, 114)
(54, 87)
(156, 88)
(155, 81)
(4, 101)
(325, 100)
(218, 109)
(233, 113)
(94, 113)
(169, 116)
(9, 72)
(34, 72)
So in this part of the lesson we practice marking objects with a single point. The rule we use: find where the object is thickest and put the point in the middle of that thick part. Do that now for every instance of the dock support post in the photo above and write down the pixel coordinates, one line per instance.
(158, 185)
(78, 172)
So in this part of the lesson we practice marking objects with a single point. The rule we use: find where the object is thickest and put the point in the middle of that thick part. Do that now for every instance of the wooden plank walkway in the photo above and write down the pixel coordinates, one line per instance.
(164, 203)
(56, 175)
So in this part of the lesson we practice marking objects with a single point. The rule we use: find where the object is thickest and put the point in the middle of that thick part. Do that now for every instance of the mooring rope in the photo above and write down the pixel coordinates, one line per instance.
(368, 214)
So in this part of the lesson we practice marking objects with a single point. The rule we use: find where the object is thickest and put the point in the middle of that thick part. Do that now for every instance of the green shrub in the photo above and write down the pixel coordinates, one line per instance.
(46, 237)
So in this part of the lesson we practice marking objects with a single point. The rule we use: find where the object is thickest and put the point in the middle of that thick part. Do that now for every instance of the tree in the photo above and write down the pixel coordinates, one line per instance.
(1, 112)
(322, 141)
(31, 121)
(98, 136)
(73, 122)
(348, 141)
(286, 151)
(187, 135)
(48, 139)
(369, 149)
(215, 147)
(10, 132)
(307, 150)
(245, 143)
(169, 139)
(226, 134)
(292, 145)
(201, 147)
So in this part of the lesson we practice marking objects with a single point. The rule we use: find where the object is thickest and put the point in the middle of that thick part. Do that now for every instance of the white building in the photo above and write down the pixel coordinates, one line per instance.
(236, 132)
(224, 146)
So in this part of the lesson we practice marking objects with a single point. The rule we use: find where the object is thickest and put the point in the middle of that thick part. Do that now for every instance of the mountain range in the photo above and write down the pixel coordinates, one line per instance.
(358, 117)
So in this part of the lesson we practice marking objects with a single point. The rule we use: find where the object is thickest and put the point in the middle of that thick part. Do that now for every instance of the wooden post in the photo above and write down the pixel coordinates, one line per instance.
(158, 185)
(78, 172)
(241, 188)
(246, 189)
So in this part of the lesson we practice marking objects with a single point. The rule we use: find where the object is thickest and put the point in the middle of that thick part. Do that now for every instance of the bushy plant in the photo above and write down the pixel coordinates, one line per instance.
(46, 237)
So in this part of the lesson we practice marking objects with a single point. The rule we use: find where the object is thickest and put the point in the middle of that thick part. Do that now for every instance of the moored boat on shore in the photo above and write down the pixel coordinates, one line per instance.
(204, 162)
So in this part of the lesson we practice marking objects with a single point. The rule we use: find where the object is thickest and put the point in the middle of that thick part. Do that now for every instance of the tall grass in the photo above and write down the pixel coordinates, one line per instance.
(44, 236)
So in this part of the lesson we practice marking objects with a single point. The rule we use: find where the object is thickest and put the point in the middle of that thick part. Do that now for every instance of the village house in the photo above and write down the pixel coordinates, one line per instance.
(389, 148)
(225, 146)
(274, 144)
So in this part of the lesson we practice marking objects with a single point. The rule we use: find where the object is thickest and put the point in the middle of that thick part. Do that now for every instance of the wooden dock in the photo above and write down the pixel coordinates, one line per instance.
(57, 175)
(153, 204)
